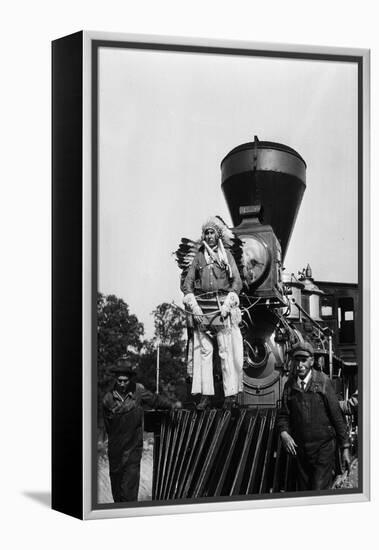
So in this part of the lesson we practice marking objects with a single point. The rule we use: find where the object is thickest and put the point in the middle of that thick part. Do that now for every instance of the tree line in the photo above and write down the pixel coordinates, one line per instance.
(120, 333)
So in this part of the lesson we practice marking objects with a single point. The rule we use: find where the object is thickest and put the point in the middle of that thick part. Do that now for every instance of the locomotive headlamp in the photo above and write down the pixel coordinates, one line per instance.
(256, 259)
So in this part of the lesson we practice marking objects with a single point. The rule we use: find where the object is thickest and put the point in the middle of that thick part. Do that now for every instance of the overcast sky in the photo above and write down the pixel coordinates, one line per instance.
(166, 122)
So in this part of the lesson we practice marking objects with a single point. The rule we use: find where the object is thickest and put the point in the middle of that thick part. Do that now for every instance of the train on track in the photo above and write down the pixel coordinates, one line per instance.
(217, 453)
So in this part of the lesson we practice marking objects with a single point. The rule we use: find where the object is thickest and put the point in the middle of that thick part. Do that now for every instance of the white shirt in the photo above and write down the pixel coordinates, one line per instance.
(305, 380)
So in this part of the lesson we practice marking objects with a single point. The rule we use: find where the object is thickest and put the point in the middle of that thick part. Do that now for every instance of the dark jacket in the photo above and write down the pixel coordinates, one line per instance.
(123, 418)
(203, 277)
(312, 417)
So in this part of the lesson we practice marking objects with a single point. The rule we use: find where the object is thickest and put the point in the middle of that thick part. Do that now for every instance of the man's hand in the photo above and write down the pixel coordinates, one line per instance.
(199, 321)
(289, 443)
(224, 311)
(346, 460)
(198, 316)
(190, 302)
(177, 405)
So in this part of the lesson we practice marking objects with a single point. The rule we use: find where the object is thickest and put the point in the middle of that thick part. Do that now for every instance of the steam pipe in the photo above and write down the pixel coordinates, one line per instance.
(325, 331)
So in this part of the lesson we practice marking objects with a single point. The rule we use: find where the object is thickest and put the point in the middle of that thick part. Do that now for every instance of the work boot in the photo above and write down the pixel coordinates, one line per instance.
(230, 401)
(204, 403)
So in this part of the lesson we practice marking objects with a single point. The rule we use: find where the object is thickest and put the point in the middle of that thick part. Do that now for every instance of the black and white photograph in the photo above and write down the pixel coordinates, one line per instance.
(229, 274)
(190, 311)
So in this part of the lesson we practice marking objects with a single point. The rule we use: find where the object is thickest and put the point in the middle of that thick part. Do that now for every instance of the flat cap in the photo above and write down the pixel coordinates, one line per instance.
(303, 348)
(123, 367)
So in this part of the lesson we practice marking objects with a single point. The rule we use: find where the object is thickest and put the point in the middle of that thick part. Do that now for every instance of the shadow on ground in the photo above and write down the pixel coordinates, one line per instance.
(41, 497)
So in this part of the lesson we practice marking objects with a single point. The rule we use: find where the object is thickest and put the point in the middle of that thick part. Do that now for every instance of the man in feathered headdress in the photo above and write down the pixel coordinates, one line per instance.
(211, 289)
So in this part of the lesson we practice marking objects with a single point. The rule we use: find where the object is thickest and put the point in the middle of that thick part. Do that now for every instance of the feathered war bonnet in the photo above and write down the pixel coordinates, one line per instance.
(221, 229)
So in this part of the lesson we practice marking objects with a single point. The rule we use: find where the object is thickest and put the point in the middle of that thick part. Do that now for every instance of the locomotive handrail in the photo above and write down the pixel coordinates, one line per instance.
(326, 331)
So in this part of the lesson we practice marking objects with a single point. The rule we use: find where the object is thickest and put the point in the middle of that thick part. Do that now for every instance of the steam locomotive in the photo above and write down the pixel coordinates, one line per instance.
(263, 183)
(226, 453)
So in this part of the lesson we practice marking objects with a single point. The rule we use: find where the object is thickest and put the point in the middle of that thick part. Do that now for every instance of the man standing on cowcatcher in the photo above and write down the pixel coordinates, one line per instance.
(211, 287)
(311, 423)
(123, 417)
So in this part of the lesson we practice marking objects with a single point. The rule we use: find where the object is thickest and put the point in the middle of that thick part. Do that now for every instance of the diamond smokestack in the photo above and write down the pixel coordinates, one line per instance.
(269, 174)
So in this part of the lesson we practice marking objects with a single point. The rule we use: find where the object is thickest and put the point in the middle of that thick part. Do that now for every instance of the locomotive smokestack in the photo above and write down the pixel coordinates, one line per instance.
(268, 174)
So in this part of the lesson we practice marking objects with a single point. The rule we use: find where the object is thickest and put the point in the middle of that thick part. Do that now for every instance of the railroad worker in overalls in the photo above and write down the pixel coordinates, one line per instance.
(123, 417)
(211, 290)
(311, 423)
